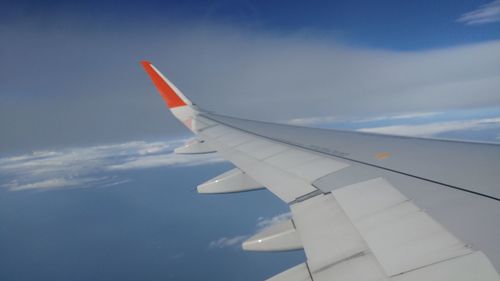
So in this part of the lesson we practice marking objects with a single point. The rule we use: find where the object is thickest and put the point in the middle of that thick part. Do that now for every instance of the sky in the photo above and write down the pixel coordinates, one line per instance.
(70, 73)
(89, 186)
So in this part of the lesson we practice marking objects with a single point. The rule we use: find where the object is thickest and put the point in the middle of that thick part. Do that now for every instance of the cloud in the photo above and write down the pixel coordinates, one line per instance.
(487, 13)
(312, 120)
(430, 129)
(171, 159)
(324, 120)
(44, 184)
(235, 241)
(412, 115)
(93, 165)
(225, 242)
(100, 94)
(263, 222)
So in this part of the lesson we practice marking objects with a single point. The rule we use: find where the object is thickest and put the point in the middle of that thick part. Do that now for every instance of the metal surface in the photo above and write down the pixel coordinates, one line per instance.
(296, 273)
(234, 180)
(469, 166)
(281, 236)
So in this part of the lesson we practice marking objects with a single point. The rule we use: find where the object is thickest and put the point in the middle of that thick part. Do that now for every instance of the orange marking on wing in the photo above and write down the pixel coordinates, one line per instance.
(382, 155)
(168, 94)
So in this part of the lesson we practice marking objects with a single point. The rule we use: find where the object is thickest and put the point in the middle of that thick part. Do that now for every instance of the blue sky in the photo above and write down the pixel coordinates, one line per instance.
(408, 25)
(89, 186)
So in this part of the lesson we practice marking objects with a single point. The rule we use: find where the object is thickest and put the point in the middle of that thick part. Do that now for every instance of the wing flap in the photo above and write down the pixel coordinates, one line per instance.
(327, 234)
(401, 236)
(296, 273)
(362, 267)
(474, 266)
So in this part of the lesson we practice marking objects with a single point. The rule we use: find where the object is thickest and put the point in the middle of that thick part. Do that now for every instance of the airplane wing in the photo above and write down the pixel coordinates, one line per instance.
(344, 192)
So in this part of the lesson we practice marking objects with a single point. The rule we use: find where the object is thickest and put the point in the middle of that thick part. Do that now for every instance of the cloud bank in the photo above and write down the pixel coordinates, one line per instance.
(90, 88)
(92, 166)
(435, 128)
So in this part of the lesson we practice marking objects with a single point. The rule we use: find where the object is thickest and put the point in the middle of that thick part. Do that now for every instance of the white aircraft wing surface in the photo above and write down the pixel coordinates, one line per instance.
(355, 198)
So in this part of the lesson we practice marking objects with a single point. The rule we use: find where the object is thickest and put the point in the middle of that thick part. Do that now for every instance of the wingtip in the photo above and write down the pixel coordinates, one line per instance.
(170, 93)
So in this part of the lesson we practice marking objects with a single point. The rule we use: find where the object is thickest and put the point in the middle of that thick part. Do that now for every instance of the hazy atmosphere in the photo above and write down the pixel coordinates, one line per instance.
(70, 73)
(89, 185)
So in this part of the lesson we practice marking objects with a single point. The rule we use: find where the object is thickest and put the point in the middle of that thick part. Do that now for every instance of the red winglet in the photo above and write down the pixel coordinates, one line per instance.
(166, 91)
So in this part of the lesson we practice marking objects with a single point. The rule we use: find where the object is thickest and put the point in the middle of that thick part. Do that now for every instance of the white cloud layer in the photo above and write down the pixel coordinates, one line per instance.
(430, 129)
(92, 166)
(171, 159)
(487, 13)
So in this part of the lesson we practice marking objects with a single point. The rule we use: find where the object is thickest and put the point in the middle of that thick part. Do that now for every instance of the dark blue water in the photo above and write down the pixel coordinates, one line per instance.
(155, 227)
